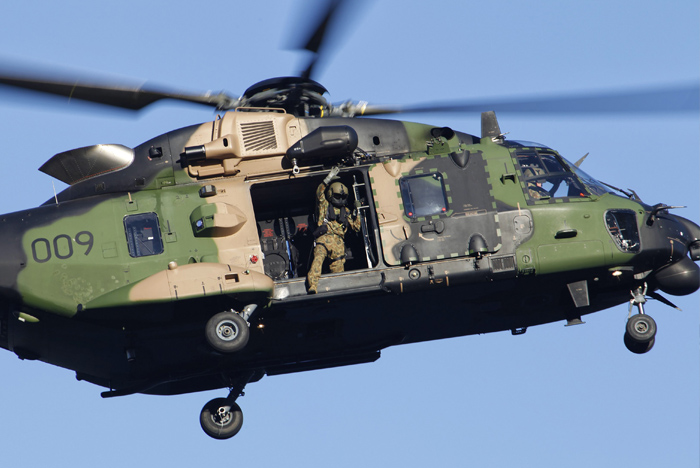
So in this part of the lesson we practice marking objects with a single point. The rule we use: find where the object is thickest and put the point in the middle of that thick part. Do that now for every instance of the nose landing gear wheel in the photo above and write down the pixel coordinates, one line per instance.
(639, 333)
(641, 328)
(227, 332)
(637, 347)
(221, 418)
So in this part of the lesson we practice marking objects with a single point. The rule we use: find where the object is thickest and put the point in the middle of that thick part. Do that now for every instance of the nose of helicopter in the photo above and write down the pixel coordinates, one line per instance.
(680, 275)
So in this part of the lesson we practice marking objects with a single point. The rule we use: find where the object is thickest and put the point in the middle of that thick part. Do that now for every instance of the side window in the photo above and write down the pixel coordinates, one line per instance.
(551, 163)
(143, 234)
(530, 165)
(622, 226)
(545, 177)
(423, 195)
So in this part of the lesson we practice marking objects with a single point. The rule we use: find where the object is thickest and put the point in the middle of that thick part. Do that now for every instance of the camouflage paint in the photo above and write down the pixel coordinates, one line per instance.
(73, 289)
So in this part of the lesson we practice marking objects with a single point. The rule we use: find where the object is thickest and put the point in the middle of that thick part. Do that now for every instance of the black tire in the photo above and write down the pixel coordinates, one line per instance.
(636, 347)
(221, 419)
(227, 332)
(641, 328)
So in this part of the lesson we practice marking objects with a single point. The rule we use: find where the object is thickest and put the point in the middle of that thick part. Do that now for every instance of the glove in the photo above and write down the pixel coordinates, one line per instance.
(358, 204)
(333, 172)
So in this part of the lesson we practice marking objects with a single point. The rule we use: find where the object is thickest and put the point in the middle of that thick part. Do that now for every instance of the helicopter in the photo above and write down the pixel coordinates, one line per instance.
(187, 187)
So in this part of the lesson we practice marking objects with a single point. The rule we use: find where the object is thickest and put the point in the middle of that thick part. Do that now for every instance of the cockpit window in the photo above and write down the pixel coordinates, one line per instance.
(546, 176)
(593, 186)
(551, 163)
(423, 195)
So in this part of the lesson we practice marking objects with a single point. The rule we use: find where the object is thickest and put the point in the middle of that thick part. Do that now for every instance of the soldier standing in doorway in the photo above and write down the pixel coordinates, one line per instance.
(334, 218)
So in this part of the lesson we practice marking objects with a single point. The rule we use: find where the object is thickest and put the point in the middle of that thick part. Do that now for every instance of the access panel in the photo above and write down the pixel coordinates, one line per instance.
(432, 208)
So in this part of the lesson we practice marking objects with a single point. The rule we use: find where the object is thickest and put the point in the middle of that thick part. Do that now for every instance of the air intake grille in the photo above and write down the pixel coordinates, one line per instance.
(258, 136)
(503, 264)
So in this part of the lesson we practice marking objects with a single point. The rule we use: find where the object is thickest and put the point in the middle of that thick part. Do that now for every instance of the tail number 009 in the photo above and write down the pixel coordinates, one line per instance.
(62, 246)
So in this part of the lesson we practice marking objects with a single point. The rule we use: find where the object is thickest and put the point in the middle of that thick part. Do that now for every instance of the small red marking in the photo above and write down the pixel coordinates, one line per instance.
(268, 232)
(254, 259)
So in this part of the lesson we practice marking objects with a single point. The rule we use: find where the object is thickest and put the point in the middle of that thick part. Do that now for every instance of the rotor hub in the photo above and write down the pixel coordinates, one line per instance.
(297, 96)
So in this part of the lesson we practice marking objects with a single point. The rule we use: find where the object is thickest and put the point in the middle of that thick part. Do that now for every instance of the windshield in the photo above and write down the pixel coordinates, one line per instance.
(593, 186)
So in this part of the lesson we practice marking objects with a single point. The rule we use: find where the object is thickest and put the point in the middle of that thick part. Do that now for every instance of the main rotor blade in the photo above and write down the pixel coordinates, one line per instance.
(313, 44)
(318, 35)
(675, 98)
(125, 97)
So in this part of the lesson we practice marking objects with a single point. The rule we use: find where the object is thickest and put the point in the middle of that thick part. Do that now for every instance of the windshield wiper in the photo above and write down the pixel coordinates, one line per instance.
(631, 194)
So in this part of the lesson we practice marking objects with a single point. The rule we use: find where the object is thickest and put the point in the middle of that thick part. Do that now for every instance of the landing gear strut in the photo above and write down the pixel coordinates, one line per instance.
(641, 328)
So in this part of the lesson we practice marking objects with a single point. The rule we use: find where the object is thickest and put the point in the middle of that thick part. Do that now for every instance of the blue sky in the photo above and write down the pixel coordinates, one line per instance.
(555, 396)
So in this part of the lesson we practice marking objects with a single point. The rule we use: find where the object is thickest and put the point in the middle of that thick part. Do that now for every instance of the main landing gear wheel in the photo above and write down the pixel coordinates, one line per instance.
(221, 418)
(640, 333)
(227, 332)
